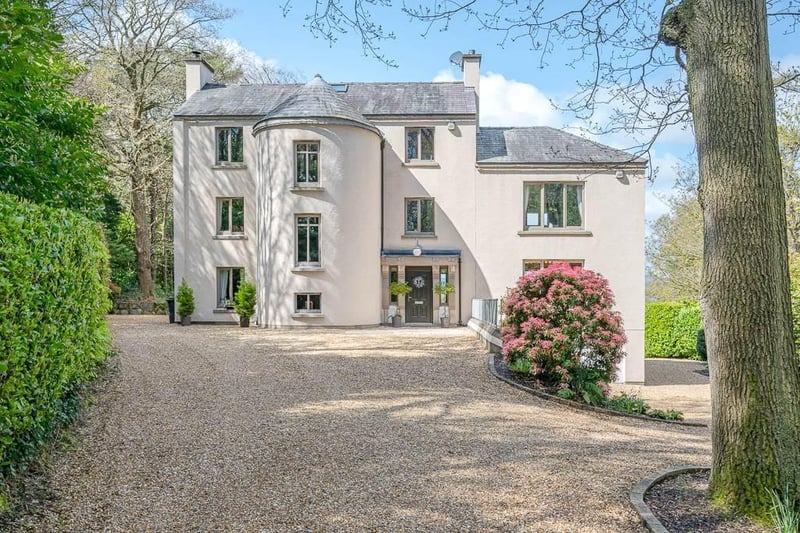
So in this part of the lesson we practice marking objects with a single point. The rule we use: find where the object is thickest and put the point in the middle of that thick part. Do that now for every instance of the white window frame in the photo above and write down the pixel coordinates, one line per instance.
(307, 296)
(307, 156)
(418, 135)
(229, 200)
(308, 225)
(229, 160)
(528, 224)
(230, 293)
(419, 231)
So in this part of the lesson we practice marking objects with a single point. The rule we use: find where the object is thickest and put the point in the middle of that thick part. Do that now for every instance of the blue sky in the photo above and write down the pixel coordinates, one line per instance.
(514, 90)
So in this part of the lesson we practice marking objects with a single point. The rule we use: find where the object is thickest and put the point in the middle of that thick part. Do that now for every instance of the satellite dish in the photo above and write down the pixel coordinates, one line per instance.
(457, 58)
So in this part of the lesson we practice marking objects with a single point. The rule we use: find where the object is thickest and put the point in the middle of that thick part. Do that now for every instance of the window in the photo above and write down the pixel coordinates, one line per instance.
(553, 205)
(538, 264)
(393, 277)
(307, 164)
(230, 216)
(229, 146)
(419, 144)
(442, 281)
(228, 280)
(419, 216)
(308, 303)
(307, 239)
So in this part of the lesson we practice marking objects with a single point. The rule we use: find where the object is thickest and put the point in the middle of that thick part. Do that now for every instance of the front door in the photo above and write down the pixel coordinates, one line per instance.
(419, 301)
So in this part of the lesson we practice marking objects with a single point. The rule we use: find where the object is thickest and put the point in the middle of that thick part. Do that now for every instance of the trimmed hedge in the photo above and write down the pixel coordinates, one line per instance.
(671, 329)
(53, 334)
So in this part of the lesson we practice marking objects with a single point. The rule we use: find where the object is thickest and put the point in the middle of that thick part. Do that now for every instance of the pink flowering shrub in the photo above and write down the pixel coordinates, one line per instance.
(561, 320)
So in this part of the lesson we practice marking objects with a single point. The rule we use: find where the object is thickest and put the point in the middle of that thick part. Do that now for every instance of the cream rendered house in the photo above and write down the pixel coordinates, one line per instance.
(322, 194)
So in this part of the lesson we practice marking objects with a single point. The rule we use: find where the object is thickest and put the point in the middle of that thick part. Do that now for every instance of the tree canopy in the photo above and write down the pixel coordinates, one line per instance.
(48, 154)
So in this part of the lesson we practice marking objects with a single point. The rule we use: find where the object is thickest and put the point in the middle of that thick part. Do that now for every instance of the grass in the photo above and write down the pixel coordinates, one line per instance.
(785, 515)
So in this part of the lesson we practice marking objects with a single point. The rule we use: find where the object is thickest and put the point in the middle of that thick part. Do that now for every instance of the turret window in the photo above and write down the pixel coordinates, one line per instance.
(306, 164)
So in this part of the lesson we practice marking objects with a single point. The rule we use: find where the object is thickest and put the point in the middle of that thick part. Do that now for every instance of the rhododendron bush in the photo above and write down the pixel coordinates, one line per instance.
(561, 320)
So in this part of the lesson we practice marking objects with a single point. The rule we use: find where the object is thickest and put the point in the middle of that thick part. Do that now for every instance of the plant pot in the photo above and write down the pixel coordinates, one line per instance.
(397, 321)
(244, 322)
(186, 320)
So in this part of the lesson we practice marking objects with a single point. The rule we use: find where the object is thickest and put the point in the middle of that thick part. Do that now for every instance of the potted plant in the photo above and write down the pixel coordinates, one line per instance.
(444, 289)
(185, 297)
(398, 288)
(244, 302)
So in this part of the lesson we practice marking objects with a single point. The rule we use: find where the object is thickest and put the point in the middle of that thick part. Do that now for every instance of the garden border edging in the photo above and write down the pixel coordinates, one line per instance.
(578, 405)
(640, 489)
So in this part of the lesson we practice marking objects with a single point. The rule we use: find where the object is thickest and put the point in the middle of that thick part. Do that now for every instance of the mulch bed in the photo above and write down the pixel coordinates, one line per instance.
(681, 504)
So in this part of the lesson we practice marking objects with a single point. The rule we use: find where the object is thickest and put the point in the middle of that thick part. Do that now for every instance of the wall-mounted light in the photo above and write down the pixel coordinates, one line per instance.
(451, 126)
(417, 250)
(620, 174)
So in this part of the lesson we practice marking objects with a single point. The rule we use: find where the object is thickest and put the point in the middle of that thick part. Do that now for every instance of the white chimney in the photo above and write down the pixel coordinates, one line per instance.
(198, 73)
(471, 67)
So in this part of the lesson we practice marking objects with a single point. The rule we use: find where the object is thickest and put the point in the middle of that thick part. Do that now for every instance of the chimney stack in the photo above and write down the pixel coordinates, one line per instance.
(471, 67)
(198, 73)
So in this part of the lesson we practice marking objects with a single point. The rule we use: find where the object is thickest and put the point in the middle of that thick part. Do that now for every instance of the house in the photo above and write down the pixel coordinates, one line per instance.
(323, 194)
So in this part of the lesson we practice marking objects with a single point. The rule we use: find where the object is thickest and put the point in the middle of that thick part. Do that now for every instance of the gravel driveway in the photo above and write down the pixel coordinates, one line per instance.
(212, 428)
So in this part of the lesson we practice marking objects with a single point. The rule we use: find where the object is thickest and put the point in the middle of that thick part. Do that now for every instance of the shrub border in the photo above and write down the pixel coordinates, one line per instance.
(578, 405)
(640, 489)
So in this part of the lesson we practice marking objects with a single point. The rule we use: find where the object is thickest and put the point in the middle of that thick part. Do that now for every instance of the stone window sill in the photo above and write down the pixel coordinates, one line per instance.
(231, 237)
(307, 315)
(310, 268)
(228, 166)
(555, 232)
(419, 236)
(297, 189)
(420, 163)
(224, 311)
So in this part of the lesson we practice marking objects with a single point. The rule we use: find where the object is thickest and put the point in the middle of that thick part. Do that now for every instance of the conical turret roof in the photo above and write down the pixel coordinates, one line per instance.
(314, 103)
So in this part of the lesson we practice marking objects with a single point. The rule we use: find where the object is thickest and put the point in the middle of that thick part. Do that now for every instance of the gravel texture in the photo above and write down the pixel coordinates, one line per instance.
(218, 428)
(677, 384)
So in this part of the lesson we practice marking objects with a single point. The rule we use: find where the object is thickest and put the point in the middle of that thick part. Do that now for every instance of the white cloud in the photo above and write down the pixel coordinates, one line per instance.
(507, 102)
(654, 207)
(245, 55)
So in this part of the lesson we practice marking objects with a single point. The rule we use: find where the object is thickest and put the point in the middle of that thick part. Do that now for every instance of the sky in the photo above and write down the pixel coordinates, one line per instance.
(515, 91)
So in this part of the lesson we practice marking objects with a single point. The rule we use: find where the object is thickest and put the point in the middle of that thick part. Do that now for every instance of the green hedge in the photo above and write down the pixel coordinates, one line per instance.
(671, 329)
(53, 333)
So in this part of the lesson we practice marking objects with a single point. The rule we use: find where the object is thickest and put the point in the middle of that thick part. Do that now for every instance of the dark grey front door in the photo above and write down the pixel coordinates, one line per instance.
(419, 301)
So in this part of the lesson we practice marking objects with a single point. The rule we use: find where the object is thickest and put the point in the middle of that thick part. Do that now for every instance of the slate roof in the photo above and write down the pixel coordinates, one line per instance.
(315, 100)
(370, 99)
(545, 145)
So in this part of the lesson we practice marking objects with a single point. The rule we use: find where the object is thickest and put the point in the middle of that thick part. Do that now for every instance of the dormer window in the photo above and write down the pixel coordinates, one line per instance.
(230, 147)
(419, 144)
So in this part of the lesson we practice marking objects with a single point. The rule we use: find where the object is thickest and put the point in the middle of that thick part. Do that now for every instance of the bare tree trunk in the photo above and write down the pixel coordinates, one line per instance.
(144, 270)
(755, 380)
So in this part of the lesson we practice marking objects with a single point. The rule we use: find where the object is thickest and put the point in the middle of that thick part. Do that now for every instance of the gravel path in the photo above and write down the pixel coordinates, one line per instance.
(212, 428)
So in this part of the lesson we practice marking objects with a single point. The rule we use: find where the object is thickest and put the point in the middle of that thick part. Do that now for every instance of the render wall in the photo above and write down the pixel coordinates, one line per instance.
(197, 183)
(348, 202)
(612, 242)
(450, 181)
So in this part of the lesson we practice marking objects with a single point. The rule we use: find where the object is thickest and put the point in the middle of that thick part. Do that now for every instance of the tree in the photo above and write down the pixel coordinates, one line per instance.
(725, 86)
(134, 54)
(48, 151)
(675, 250)
(789, 139)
